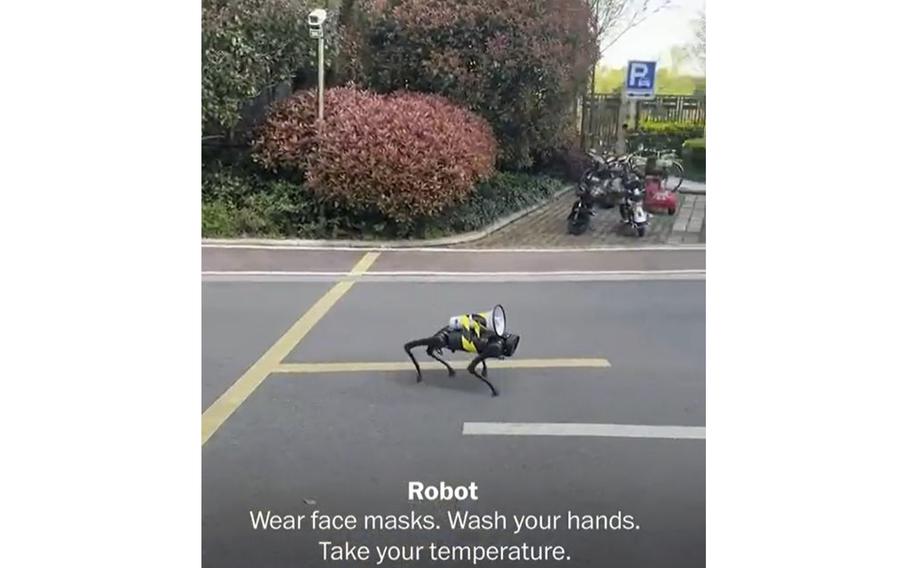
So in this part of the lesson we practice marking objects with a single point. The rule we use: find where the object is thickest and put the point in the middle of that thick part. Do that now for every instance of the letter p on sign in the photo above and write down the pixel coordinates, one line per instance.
(638, 75)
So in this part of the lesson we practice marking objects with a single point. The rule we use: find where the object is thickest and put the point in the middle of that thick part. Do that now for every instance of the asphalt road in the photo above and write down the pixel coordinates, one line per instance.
(348, 442)
(269, 259)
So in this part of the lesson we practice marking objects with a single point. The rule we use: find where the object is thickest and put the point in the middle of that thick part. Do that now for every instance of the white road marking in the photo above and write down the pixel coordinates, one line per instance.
(442, 276)
(681, 247)
(574, 429)
(359, 367)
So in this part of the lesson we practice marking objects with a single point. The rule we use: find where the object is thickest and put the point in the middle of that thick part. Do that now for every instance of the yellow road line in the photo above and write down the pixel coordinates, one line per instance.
(220, 410)
(305, 368)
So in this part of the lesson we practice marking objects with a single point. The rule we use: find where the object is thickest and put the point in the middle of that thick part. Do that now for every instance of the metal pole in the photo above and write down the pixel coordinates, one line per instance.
(620, 146)
(321, 78)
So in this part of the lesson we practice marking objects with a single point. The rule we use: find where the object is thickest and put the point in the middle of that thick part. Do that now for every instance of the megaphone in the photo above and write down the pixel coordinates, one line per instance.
(497, 318)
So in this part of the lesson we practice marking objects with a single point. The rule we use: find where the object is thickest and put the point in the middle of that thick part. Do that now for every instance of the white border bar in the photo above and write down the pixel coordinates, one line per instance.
(575, 429)
(694, 271)
(391, 249)
(557, 276)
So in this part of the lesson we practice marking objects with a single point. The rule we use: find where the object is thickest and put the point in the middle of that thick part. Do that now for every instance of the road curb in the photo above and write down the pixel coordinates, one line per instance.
(402, 243)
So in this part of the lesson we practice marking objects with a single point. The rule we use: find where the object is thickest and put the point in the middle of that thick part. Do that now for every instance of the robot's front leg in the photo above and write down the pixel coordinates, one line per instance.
(472, 368)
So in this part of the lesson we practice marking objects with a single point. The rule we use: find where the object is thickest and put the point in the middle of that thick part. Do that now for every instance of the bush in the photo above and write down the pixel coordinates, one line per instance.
(218, 220)
(694, 158)
(665, 135)
(404, 156)
(501, 195)
(248, 46)
(518, 64)
(694, 148)
(242, 203)
(239, 202)
(567, 161)
(287, 136)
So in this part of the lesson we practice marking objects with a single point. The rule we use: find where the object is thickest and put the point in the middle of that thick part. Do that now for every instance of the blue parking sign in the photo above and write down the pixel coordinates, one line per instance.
(641, 78)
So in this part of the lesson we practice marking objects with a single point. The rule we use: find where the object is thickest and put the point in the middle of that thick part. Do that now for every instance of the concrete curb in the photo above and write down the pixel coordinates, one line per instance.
(697, 188)
(404, 243)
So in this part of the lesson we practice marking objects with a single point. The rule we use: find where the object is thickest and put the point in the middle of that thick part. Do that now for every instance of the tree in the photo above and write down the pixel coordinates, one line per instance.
(247, 47)
(517, 63)
(697, 49)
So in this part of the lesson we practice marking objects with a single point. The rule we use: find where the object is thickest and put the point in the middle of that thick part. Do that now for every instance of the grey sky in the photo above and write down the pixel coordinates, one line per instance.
(653, 38)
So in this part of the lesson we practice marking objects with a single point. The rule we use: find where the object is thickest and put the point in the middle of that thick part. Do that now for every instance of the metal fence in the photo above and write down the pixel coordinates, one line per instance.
(671, 108)
(602, 115)
(600, 122)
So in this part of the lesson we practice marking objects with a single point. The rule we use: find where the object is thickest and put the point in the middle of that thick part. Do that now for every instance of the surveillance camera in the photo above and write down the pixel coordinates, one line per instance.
(315, 20)
(317, 17)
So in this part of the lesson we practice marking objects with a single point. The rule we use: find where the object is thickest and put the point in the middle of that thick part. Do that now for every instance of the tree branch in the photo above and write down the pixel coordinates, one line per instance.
(613, 18)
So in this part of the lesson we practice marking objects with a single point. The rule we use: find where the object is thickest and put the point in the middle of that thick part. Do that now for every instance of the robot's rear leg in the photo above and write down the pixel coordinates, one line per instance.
(433, 344)
(432, 353)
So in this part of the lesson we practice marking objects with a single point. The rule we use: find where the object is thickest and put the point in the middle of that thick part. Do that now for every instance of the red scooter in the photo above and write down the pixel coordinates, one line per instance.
(657, 196)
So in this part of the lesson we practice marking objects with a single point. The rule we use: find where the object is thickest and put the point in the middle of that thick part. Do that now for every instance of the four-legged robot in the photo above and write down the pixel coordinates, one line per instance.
(483, 334)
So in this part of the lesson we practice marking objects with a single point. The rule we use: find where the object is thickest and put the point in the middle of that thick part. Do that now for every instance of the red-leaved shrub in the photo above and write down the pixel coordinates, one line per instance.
(287, 136)
(404, 155)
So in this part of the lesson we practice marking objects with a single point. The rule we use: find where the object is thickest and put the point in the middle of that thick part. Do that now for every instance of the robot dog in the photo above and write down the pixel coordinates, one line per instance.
(481, 333)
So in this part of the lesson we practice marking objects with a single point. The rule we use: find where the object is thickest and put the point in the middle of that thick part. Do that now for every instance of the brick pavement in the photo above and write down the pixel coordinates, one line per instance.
(546, 228)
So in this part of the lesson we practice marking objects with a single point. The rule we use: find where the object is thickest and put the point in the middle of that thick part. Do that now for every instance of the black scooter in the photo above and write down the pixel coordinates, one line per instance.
(579, 218)
(631, 209)
(603, 179)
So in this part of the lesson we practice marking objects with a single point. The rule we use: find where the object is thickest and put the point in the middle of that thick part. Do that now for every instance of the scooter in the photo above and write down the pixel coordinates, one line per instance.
(579, 218)
(603, 178)
(631, 209)
(657, 196)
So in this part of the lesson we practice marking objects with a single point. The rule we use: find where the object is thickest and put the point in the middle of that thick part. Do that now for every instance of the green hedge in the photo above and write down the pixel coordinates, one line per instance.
(502, 195)
(693, 154)
(240, 202)
(694, 148)
(665, 135)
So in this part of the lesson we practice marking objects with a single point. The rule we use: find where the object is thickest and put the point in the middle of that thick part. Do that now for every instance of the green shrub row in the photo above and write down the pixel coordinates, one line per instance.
(693, 153)
(694, 148)
(501, 195)
(241, 202)
(665, 135)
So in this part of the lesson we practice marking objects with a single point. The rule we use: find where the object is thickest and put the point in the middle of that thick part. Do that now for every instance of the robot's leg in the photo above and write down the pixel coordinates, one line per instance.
(433, 343)
(432, 353)
(472, 368)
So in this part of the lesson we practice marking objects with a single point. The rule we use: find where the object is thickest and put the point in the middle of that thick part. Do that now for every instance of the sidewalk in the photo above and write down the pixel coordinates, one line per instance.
(546, 228)
(689, 186)
(689, 226)
(543, 227)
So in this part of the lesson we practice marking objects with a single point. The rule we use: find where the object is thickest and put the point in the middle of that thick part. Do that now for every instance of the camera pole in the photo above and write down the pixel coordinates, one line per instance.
(316, 20)
(321, 76)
